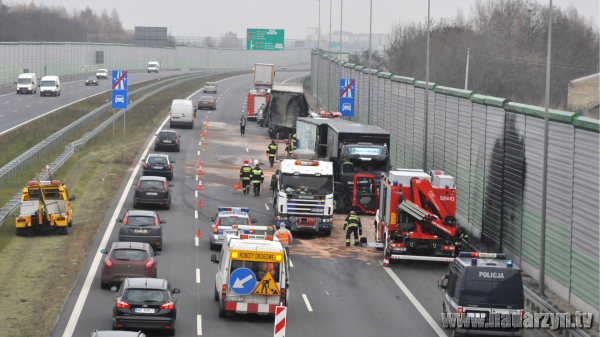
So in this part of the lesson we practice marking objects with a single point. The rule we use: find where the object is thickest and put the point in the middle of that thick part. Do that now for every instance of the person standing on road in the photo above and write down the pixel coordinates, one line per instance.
(257, 176)
(289, 148)
(260, 117)
(245, 173)
(272, 151)
(243, 125)
(284, 235)
(353, 223)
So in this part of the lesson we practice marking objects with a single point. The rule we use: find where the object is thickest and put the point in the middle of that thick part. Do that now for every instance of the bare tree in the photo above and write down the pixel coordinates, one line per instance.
(209, 42)
(230, 40)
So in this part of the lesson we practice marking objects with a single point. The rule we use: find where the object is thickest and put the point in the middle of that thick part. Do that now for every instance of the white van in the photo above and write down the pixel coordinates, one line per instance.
(153, 67)
(50, 85)
(182, 113)
(27, 83)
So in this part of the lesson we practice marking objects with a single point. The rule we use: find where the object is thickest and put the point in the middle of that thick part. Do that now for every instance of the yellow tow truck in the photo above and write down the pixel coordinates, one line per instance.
(45, 206)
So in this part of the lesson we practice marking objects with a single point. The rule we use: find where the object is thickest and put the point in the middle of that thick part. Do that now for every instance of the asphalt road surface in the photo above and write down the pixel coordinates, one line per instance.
(334, 290)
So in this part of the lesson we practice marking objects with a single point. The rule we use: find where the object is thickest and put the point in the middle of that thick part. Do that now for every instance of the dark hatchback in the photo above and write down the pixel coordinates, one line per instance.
(142, 226)
(152, 190)
(127, 259)
(145, 303)
(91, 80)
(167, 139)
(158, 165)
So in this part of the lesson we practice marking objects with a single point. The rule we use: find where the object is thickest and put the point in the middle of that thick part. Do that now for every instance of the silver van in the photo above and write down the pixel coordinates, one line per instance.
(50, 85)
(182, 113)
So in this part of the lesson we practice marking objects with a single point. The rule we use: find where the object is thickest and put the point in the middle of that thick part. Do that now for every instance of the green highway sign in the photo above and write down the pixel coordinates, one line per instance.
(265, 39)
(334, 44)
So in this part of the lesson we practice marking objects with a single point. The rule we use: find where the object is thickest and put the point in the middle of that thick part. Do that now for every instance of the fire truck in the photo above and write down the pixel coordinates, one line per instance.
(256, 98)
(415, 219)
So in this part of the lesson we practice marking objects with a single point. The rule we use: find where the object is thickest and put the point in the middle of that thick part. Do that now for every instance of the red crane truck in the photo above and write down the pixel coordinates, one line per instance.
(415, 219)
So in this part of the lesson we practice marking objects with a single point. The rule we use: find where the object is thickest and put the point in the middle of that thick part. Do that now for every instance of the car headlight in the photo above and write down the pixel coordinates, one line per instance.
(53, 89)
(29, 88)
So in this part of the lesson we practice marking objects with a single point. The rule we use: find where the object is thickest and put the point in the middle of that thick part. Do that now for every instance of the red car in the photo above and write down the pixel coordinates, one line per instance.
(127, 260)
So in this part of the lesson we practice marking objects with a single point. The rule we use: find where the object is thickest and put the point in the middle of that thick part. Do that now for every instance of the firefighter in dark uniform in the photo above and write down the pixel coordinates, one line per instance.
(289, 148)
(461, 235)
(257, 177)
(347, 166)
(294, 142)
(245, 173)
(272, 151)
(353, 223)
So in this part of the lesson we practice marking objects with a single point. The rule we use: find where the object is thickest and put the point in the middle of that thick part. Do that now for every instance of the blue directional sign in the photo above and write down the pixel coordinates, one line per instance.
(119, 89)
(242, 281)
(347, 91)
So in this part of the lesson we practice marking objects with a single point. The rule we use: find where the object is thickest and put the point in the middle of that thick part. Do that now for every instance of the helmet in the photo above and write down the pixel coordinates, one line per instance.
(285, 140)
(353, 212)
(245, 161)
(275, 141)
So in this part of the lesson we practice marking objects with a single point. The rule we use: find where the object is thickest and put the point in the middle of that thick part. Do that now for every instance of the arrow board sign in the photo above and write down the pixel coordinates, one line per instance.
(242, 281)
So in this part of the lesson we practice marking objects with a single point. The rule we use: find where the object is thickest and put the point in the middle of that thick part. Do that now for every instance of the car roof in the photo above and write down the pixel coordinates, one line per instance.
(155, 178)
(484, 263)
(118, 333)
(158, 155)
(130, 245)
(147, 283)
(141, 213)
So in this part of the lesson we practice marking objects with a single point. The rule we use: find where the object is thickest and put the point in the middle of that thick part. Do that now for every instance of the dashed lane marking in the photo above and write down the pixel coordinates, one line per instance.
(196, 177)
(246, 149)
(197, 241)
(307, 303)
(196, 193)
(266, 206)
(291, 264)
(199, 324)
(197, 275)
(196, 214)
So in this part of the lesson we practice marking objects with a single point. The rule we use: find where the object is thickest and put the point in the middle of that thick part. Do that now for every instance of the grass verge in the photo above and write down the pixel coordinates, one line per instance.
(37, 273)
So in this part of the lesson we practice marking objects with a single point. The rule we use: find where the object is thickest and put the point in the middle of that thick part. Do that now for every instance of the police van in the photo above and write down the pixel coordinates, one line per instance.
(480, 285)
(253, 274)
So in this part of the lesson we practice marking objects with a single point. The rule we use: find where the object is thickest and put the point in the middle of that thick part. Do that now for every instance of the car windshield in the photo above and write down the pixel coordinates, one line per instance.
(152, 184)
(24, 80)
(49, 193)
(129, 255)
(140, 221)
(157, 160)
(206, 98)
(307, 184)
(167, 135)
(48, 83)
(152, 65)
(228, 221)
(210, 84)
(146, 295)
(102, 70)
(91, 78)
(507, 292)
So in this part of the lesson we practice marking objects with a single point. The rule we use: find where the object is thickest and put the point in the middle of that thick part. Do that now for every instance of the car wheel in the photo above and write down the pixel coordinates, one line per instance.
(222, 311)
(58, 93)
(170, 332)
(216, 297)
(213, 247)
(178, 148)
(104, 285)
(135, 205)
(156, 148)
(41, 94)
(327, 232)
(21, 231)
(168, 205)
(170, 178)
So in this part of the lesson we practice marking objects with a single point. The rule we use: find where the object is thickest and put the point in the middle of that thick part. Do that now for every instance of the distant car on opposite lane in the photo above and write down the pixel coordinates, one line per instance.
(91, 80)
(158, 165)
(152, 191)
(127, 259)
(210, 87)
(102, 73)
(142, 226)
(207, 102)
(284, 67)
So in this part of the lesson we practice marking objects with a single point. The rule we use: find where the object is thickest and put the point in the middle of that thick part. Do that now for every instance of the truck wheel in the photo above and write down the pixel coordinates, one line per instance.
(70, 223)
(222, 311)
(327, 232)
(64, 230)
(21, 231)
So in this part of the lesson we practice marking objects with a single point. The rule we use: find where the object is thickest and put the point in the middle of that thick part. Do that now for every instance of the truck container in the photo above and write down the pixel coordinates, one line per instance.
(286, 104)
(263, 75)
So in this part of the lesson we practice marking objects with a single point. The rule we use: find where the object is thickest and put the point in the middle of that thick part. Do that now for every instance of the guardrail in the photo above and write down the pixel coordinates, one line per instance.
(537, 304)
(9, 208)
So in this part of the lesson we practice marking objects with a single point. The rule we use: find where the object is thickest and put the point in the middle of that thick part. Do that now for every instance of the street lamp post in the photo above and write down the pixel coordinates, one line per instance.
(318, 55)
(341, 17)
(329, 63)
(369, 61)
(426, 92)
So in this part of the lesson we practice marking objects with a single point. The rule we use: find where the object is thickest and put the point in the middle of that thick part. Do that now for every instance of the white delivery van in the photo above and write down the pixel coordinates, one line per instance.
(50, 85)
(182, 113)
(253, 274)
(27, 83)
(153, 67)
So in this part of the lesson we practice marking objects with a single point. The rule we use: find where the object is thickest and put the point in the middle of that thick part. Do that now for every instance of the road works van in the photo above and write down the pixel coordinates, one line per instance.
(50, 85)
(253, 274)
(153, 67)
(182, 113)
(27, 83)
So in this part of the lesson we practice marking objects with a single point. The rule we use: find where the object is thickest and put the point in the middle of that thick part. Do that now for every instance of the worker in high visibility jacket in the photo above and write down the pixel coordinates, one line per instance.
(289, 148)
(347, 166)
(284, 235)
(272, 151)
(245, 172)
(353, 223)
(460, 236)
(294, 142)
(257, 177)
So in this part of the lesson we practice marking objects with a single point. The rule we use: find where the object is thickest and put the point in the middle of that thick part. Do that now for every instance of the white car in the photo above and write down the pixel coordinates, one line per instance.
(119, 99)
(102, 73)
(346, 107)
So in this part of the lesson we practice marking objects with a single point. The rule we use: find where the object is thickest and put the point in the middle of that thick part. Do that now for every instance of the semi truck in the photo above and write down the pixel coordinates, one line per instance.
(303, 195)
(263, 75)
(416, 216)
(286, 104)
(359, 154)
(256, 98)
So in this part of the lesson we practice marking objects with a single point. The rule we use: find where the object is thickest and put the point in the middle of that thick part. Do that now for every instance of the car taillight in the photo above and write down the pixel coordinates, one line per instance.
(155, 221)
(224, 291)
(168, 168)
(138, 186)
(165, 186)
(121, 304)
(168, 305)
(149, 264)
(199, 101)
(171, 115)
(176, 140)
(282, 298)
(145, 166)
(210, 102)
(447, 247)
(125, 220)
(157, 139)
(108, 262)
(216, 229)
(182, 115)
(399, 245)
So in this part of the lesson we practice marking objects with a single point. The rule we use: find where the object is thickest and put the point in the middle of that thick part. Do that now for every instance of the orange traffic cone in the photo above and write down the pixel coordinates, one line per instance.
(205, 141)
(202, 147)
(200, 159)
(199, 202)
(200, 185)
(386, 262)
(200, 170)
(198, 235)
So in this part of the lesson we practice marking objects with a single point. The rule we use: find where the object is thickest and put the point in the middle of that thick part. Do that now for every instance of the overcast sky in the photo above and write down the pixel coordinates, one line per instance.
(202, 18)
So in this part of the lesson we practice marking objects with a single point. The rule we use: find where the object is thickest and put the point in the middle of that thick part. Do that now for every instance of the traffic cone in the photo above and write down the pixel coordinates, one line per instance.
(200, 159)
(386, 262)
(199, 202)
(198, 235)
(205, 141)
(202, 147)
(199, 185)
(200, 170)
(107, 100)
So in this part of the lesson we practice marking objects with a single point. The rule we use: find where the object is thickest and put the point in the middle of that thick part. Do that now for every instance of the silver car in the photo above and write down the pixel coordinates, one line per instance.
(207, 102)
(210, 87)
(222, 222)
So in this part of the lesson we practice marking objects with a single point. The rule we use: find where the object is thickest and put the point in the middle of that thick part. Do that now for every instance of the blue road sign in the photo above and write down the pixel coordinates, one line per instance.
(347, 86)
(242, 281)
(119, 89)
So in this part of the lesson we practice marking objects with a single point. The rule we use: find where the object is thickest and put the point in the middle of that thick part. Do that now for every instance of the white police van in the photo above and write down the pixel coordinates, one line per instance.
(485, 287)
(253, 274)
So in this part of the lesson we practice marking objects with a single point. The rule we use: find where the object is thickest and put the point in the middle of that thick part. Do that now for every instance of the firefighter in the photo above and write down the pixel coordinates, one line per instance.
(245, 173)
(353, 223)
(257, 177)
(461, 235)
(284, 235)
(272, 151)
(294, 142)
(347, 166)
(289, 148)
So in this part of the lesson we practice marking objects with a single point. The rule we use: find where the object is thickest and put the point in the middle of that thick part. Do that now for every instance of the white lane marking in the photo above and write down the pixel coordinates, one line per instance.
(1, 115)
(196, 177)
(307, 303)
(196, 193)
(28, 106)
(7, 95)
(197, 275)
(199, 143)
(197, 241)
(198, 152)
(415, 302)
(96, 262)
(291, 264)
(326, 292)
(246, 149)
(6, 102)
(266, 206)
(199, 323)
(291, 78)
(21, 99)
(13, 111)
(196, 214)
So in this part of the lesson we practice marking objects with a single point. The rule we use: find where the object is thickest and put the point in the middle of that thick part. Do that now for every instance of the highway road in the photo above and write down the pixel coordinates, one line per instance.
(334, 290)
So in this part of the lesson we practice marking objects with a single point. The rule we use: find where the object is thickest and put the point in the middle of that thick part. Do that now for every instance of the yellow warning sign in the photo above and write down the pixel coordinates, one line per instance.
(267, 286)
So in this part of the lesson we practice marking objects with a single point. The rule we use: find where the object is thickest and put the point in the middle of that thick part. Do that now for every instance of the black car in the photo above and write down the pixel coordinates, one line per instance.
(158, 165)
(91, 80)
(152, 190)
(167, 139)
(142, 226)
(145, 303)
(117, 334)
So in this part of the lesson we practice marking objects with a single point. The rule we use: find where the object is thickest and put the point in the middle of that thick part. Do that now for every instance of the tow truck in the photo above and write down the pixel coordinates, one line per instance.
(253, 272)
(45, 205)
(415, 219)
